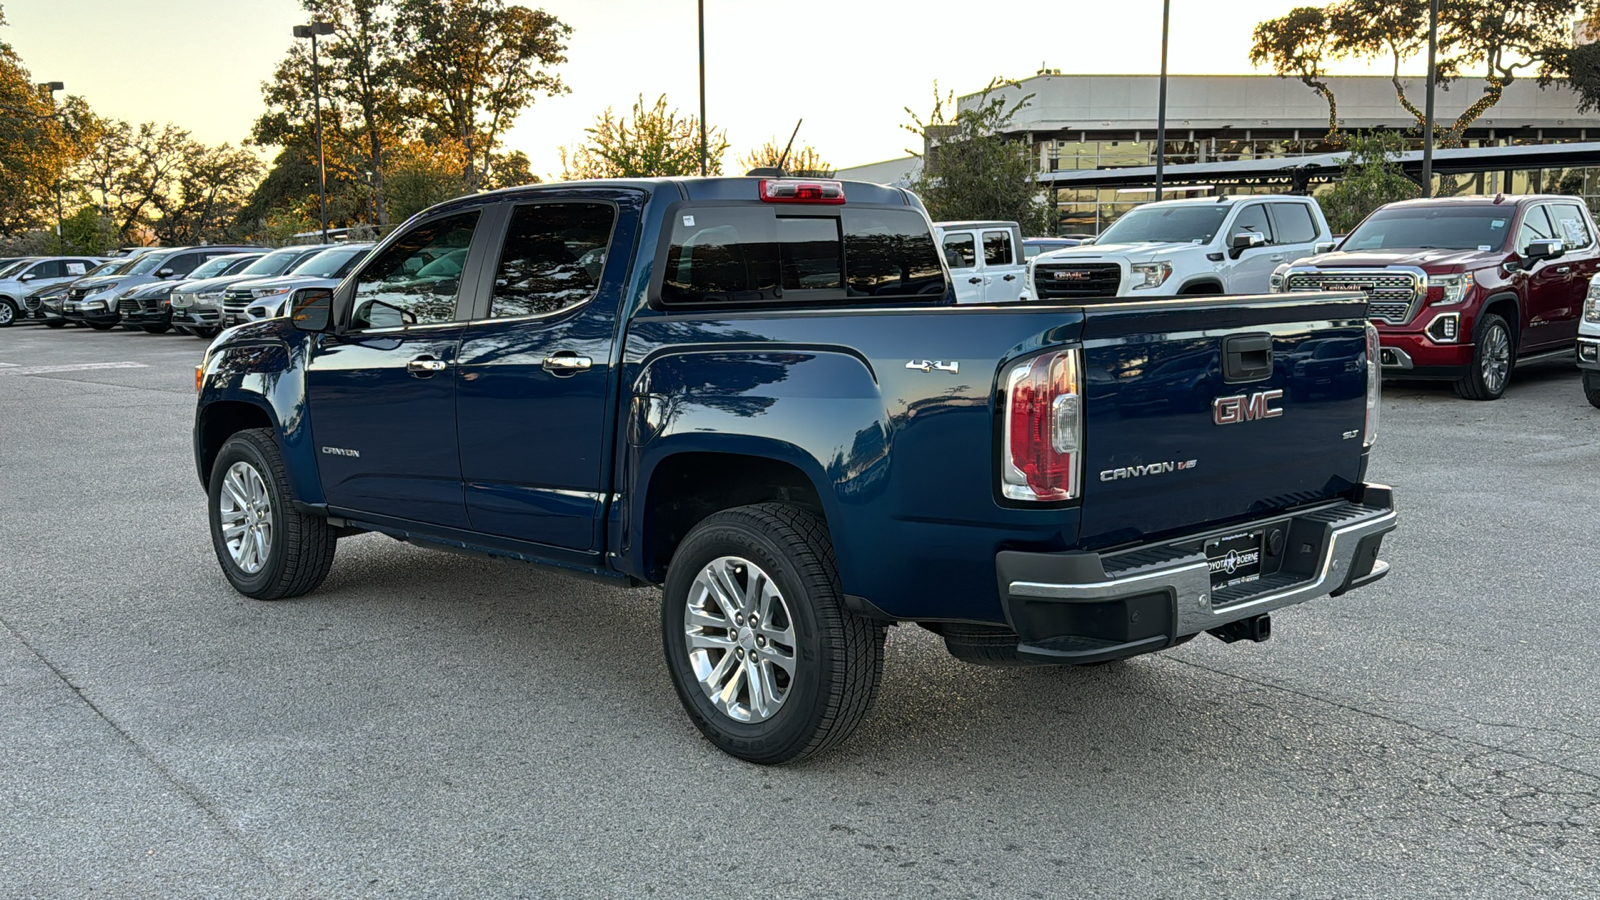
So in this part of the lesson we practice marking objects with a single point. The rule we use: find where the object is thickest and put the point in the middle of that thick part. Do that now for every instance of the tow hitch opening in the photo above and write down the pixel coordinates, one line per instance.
(1256, 629)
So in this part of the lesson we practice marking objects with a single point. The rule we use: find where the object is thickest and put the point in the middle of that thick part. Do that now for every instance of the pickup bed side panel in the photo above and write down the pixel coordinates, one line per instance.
(902, 459)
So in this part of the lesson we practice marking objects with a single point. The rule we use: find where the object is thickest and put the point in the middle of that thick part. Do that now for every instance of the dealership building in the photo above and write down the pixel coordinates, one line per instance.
(1094, 138)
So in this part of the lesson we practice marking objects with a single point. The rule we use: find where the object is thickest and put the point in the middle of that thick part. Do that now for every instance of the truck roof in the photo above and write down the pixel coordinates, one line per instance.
(1481, 200)
(716, 187)
(1224, 199)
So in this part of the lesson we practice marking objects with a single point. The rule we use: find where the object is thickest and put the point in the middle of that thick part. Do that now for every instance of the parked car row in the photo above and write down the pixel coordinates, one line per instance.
(197, 290)
(1461, 289)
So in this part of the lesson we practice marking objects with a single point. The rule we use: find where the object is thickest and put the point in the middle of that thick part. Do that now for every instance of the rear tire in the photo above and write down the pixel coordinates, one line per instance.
(768, 662)
(100, 326)
(1591, 388)
(54, 323)
(983, 646)
(203, 332)
(156, 329)
(249, 488)
(1493, 357)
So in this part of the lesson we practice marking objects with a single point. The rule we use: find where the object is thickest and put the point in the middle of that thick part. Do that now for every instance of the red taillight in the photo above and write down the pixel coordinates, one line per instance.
(1044, 426)
(797, 191)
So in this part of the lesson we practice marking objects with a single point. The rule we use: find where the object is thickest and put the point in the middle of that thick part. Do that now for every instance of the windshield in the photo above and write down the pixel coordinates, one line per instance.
(1429, 228)
(211, 268)
(333, 263)
(109, 267)
(147, 263)
(275, 263)
(11, 269)
(1193, 224)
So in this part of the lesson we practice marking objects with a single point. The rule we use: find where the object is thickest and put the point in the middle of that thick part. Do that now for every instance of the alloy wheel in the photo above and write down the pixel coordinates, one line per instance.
(1495, 364)
(246, 517)
(740, 638)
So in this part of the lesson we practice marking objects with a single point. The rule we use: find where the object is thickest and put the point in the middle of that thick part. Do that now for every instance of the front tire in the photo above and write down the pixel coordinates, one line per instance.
(1591, 388)
(156, 329)
(267, 548)
(54, 323)
(203, 332)
(101, 326)
(768, 662)
(1493, 356)
(8, 313)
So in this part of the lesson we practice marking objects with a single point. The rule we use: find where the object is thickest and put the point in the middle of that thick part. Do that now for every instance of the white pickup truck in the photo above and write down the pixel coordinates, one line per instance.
(1211, 245)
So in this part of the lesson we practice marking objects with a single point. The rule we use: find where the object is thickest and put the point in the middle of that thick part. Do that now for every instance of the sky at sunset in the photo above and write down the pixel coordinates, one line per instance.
(847, 67)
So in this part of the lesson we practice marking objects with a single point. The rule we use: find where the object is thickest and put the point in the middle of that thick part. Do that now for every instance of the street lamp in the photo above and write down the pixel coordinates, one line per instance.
(702, 88)
(1161, 108)
(52, 87)
(1427, 123)
(311, 31)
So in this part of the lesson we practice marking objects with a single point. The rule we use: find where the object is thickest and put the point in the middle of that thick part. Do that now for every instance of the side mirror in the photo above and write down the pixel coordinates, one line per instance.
(164, 273)
(1324, 247)
(1546, 249)
(26, 276)
(1243, 241)
(1090, 240)
(311, 309)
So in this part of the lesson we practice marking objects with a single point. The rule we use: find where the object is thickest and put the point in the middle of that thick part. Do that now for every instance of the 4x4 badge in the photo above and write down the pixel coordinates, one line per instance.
(1242, 408)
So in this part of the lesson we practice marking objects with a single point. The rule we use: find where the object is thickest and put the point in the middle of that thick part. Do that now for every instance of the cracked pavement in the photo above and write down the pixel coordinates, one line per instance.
(428, 725)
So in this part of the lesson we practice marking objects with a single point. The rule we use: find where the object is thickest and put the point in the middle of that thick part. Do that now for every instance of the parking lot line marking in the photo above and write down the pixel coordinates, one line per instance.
(13, 369)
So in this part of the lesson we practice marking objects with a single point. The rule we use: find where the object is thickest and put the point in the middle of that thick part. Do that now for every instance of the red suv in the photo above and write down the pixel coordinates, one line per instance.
(1464, 288)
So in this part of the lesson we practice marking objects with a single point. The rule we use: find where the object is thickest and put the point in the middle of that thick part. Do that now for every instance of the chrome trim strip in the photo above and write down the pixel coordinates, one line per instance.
(1402, 360)
(1188, 582)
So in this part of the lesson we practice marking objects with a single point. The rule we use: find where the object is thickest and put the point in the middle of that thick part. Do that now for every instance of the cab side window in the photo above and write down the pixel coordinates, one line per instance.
(1254, 218)
(960, 251)
(552, 258)
(417, 279)
(1571, 225)
(997, 248)
(51, 268)
(1535, 227)
(184, 263)
(1295, 225)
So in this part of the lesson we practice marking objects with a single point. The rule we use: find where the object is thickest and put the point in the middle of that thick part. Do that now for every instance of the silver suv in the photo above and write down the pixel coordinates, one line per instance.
(197, 306)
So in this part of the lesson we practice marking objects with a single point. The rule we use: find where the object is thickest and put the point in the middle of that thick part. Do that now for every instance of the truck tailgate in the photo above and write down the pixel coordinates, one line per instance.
(1202, 411)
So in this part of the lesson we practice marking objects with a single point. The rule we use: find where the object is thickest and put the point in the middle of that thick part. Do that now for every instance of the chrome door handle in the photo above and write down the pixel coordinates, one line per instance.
(1278, 258)
(566, 363)
(426, 365)
(1563, 270)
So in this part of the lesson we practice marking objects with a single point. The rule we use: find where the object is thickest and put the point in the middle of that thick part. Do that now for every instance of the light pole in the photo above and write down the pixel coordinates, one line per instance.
(1161, 107)
(1427, 112)
(311, 31)
(702, 88)
(52, 87)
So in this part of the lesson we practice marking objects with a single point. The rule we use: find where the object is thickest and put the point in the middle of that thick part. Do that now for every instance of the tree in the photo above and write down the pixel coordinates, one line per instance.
(1583, 75)
(970, 170)
(803, 161)
(39, 143)
(656, 142)
(1368, 178)
(473, 65)
(1298, 45)
(422, 174)
(1507, 38)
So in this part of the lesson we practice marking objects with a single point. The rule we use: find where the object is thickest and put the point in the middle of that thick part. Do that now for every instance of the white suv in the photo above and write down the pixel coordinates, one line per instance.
(1589, 343)
(1211, 245)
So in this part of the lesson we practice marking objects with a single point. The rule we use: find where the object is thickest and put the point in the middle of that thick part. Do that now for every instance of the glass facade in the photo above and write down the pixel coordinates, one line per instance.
(1084, 212)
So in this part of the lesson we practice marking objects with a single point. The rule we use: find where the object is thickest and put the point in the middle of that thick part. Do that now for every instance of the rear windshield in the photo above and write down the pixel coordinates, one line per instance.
(759, 254)
(1427, 228)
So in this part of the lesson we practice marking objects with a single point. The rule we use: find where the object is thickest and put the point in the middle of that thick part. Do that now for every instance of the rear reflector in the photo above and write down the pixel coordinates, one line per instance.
(797, 191)
(1044, 429)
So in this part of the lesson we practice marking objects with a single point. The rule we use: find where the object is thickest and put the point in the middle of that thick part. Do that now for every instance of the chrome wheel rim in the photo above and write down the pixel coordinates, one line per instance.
(245, 506)
(6, 313)
(1496, 362)
(740, 638)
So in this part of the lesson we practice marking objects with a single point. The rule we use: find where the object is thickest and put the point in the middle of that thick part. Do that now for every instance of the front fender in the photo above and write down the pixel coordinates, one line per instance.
(262, 365)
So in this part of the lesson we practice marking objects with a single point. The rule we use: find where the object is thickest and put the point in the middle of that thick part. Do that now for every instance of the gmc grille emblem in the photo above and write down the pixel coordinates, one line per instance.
(1069, 275)
(1241, 408)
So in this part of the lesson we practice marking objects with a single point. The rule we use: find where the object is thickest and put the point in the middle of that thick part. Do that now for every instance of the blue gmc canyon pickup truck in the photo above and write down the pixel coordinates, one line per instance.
(758, 394)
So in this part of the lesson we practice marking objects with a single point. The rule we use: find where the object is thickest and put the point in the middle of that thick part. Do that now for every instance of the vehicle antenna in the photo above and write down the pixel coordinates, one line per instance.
(785, 157)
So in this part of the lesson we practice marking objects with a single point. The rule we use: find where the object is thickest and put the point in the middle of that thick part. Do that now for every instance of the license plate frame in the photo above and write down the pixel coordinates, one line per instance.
(1236, 558)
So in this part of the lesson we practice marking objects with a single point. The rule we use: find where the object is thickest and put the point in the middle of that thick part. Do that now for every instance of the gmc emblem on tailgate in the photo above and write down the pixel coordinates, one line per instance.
(1240, 408)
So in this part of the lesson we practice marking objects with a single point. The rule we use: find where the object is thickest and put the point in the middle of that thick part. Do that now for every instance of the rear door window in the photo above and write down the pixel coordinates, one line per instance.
(552, 258)
(1293, 223)
(997, 248)
(745, 255)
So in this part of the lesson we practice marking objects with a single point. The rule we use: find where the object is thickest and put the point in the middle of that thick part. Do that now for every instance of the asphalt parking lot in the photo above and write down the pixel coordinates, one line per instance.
(428, 725)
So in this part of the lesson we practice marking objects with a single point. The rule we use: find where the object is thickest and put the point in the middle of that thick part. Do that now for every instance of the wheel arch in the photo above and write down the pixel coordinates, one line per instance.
(683, 488)
(1508, 306)
(221, 419)
(1202, 284)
